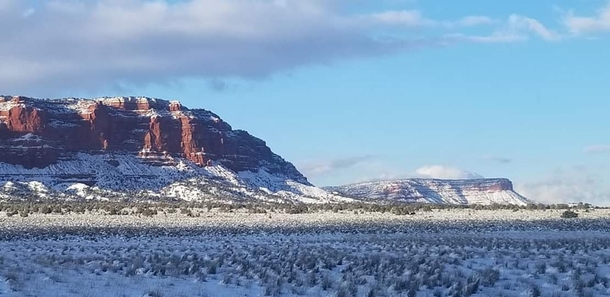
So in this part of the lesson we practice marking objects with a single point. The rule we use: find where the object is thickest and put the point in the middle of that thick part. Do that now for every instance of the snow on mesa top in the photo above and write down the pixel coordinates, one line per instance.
(122, 146)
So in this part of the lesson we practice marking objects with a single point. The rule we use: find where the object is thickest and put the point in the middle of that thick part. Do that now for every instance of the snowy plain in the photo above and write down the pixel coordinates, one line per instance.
(451, 252)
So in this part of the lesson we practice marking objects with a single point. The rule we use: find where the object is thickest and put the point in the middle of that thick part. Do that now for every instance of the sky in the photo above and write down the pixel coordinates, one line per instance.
(351, 91)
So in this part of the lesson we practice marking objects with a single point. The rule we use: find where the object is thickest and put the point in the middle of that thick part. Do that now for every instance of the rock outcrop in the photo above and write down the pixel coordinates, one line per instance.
(36, 133)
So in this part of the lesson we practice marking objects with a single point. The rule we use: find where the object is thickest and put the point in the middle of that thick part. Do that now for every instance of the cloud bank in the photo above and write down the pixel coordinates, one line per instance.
(567, 185)
(63, 45)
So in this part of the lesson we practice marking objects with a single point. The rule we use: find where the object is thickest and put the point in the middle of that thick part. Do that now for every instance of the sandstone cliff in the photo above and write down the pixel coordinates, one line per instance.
(37, 133)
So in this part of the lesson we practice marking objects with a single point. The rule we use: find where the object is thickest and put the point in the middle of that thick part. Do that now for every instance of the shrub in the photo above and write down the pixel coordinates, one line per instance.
(535, 292)
(46, 209)
(326, 283)
(489, 277)
(568, 214)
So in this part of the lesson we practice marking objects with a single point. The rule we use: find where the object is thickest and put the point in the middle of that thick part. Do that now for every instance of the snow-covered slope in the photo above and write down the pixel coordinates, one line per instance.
(108, 176)
(469, 191)
(121, 176)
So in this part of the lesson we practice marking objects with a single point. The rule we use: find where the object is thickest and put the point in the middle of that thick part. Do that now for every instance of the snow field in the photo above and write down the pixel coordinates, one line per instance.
(440, 253)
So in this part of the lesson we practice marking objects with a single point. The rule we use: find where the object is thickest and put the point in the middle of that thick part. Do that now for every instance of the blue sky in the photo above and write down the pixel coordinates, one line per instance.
(355, 90)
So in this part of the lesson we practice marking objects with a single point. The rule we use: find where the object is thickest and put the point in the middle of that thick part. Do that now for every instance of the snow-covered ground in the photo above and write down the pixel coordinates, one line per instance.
(439, 253)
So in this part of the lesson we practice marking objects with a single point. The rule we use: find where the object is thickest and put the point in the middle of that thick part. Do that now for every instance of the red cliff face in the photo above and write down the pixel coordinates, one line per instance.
(22, 118)
(36, 133)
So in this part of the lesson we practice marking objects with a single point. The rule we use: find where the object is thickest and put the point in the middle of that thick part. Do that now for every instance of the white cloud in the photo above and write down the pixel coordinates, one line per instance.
(475, 20)
(516, 28)
(101, 43)
(322, 167)
(414, 18)
(556, 191)
(598, 148)
(588, 24)
(444, 172)
(67, 44)
(496, 37)
(409, 18)
(522, 23)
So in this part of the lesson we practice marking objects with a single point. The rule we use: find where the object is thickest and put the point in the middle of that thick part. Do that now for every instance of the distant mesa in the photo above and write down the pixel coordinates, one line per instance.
(421, 190)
